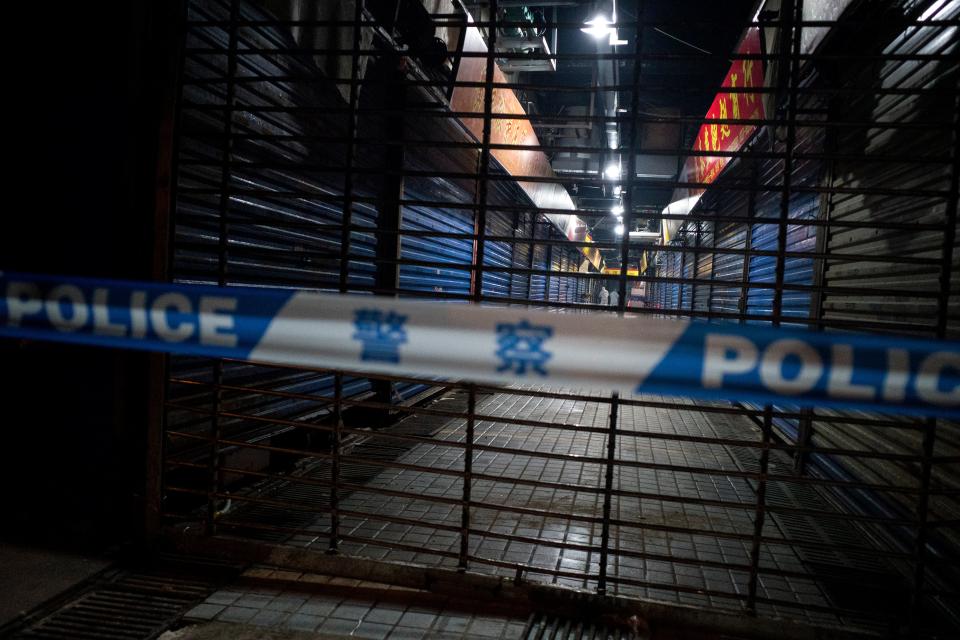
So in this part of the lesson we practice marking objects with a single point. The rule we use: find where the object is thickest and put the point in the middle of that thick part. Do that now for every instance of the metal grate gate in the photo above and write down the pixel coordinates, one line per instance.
(324, 146)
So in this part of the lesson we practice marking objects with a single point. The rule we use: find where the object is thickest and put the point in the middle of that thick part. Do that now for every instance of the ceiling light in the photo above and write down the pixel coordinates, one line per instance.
(617, 210)
(619, 229)
(612, 171)
(599, 27)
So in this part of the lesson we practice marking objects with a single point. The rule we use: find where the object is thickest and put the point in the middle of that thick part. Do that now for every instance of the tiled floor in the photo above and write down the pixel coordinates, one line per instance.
(317, 606)
(431, 536)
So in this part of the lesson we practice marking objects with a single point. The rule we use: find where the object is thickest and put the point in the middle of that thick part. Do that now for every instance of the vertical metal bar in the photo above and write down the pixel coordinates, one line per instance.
(748, 245)
(759, 512)
(213, 487)
(805, 431)
(532, 255)
(385, 80)
(806, 428)
(213, 479)
(683, 266)
(631, 162)
(513, 255)
(788, 72)
(608, 493)
(694, 269)
(226, 151)
(713, 266)
(480, 223)
(390, 130)
(173, 33)
(549, 265)
(335, 462)
(930, 431)
(346, 218)
(467, 478)
(564, 281)
(825, 213)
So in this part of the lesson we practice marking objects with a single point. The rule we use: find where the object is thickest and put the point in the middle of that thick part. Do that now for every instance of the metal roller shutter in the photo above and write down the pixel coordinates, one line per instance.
(522, 253)
(900, 234)
(704, 268)
(686, 271)
(498, 255)
(539, 262)
(436, 249)
(728, 267)
(267, 239)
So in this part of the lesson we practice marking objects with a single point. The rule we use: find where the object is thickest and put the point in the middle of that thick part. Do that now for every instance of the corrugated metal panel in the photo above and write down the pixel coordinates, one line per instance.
(498, 254)
(292, 240)
(704, 267)
(729, 267)
(799, 238)
(277, 239)
(436, 249)
(902, 312)
(522, 252)
(271, 240)
(556, 288)
(911, 304)
(538, 283)
(685, 266)
(669, 292)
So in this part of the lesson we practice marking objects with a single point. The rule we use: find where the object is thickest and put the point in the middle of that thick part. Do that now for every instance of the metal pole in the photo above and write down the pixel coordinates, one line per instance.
(608, 493)
(480, 224)
(347, 216)
(695, 267)
(760, 511)
(713, 265)
(631, 163)
(549, 269)
(747, 244)
(467, 478)
(531, 256)
(806, 428)
(788, 73)
(683, 266)
(335, 464)
(930, 430)
(222, 261)
(174, 33)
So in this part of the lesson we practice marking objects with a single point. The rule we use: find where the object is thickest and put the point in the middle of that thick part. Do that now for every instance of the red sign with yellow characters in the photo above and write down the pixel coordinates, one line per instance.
(718, 136)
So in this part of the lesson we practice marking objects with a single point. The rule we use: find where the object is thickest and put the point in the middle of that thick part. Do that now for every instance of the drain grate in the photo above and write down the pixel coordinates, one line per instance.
(542, 626)
(132, 605)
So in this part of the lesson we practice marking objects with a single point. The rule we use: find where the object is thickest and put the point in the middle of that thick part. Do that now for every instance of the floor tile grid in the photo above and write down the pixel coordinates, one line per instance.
(804, 592)
(317, 612)
(510, 466)
(501, 434)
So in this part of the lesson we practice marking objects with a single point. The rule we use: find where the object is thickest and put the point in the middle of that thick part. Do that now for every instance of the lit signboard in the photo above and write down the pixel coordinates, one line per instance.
(721, 136)
(728, 137)
(508, 131)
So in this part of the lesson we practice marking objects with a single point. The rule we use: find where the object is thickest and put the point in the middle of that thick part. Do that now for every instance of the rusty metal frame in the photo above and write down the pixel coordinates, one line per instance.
(216, 411)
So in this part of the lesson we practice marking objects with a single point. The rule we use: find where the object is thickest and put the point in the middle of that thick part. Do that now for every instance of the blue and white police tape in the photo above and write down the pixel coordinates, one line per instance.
(490, 344)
